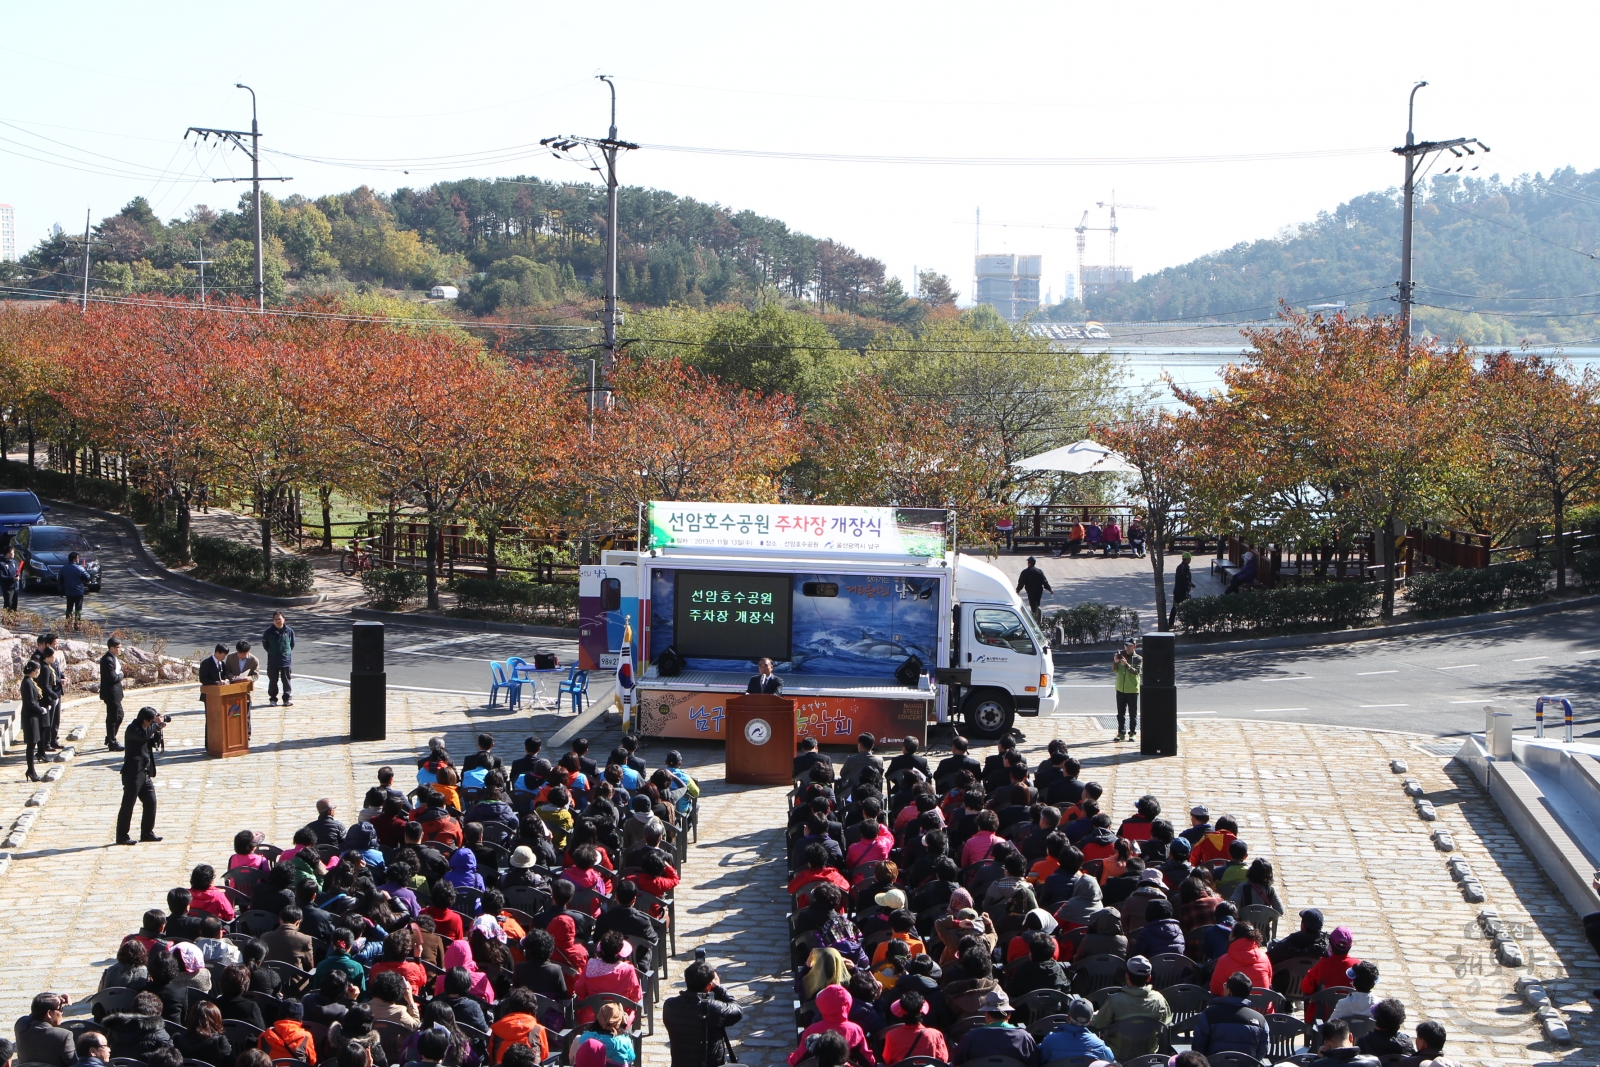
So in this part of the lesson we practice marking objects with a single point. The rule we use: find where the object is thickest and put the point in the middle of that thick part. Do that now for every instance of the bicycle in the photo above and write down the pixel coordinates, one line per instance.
(356, 558)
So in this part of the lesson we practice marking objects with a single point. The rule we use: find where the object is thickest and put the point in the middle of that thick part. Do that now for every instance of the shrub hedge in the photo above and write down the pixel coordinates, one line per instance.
(1472, 589)
(1324, 606)
(230, 563)
(391, 587)
(518, 601)
(1091, 622)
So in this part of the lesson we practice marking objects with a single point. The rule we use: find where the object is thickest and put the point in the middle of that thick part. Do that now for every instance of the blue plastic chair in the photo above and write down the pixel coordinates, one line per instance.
(577, 684)
(498, 680)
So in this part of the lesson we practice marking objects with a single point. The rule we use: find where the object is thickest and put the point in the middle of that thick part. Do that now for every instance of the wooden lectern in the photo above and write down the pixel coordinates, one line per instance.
(760, 739)
(227, 719)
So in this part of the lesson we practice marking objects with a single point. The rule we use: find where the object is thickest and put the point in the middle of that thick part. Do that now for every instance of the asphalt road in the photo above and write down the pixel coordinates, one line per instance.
(1434, 683)
(134, 598)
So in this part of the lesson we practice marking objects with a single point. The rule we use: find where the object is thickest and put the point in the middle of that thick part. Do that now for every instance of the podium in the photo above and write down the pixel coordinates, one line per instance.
(227, 719)
(759, 733)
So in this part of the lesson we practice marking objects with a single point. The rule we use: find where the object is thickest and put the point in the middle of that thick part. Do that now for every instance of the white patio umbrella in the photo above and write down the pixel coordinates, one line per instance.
(1080, 457)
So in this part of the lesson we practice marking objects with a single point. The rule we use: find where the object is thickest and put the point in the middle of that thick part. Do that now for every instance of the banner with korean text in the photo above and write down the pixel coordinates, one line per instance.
(785, 528)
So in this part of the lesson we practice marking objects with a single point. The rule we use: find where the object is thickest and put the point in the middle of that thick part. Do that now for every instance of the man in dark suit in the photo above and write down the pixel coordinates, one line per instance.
(40, 1036)
(138, 776)
(111, 691)
(213, 669)
(765, 681)
(956, 762)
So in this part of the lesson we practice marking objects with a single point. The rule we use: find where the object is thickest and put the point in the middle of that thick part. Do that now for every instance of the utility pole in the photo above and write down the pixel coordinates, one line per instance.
(86, 239)
(236, 137)
(201, 263)
(609, 148)
(1415, 152)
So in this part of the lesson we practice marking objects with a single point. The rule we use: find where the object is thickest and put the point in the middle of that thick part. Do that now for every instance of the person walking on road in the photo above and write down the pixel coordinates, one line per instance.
(1032, 580)
(1182, 582)
(74, 584)
(1128, 664)
(278, 640)
(35, 718)
(10, 577)
(141, 740)
(111, 690)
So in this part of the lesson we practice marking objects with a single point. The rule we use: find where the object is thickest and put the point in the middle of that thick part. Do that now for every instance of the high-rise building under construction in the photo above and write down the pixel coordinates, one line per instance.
(1009, 283)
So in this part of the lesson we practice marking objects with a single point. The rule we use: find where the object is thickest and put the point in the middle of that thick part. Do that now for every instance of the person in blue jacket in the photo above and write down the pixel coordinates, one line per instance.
(74, 583)
(1230, 1024)
(1074, 1038)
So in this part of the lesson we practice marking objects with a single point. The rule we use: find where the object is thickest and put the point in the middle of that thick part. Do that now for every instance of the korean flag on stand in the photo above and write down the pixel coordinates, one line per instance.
(625, 684)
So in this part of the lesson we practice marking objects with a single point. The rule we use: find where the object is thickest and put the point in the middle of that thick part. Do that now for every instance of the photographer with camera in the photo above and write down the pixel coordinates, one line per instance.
(141, 741)
(1128, 665)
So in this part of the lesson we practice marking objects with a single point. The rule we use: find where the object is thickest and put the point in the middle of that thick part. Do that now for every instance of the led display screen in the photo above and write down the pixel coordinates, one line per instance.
(731, 616)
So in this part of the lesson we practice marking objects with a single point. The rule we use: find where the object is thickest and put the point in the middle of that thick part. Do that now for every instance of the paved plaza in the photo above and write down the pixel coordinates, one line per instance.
(1321, 802)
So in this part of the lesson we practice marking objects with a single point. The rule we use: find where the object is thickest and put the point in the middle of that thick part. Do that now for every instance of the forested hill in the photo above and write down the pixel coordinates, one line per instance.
(509, 244)
(1496, 263)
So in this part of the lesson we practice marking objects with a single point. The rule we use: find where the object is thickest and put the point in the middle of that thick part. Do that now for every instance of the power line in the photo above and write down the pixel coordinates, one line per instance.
(1020, 161)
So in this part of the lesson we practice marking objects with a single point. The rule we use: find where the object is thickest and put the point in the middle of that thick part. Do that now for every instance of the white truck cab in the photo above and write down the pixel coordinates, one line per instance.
(997, 639)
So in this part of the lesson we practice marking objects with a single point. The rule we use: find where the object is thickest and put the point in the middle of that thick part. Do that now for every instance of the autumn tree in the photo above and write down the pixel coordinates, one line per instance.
(1328, 428)
(1545, 422)
(1156, 444)
(677, 434)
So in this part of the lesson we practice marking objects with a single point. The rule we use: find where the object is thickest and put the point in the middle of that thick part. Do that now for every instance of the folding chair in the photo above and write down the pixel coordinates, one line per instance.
(115, 999)
(1263, 918)
(295, 981)
(499, 682)
(257, 922)
(576, 686)
(1171, 968)
(1097, 972)
(1232, 1059)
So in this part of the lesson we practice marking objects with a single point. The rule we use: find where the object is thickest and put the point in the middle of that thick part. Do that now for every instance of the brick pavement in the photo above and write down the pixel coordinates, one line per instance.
(1320, 801)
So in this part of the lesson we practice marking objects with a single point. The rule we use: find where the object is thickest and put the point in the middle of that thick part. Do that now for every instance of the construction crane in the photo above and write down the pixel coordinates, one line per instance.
(1113, 205)
(1082, 230)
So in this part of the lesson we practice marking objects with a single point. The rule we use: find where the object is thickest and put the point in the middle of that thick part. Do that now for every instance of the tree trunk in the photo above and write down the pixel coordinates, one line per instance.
(490, 535)
(183, 528)
(72, 472)
(1560, 500)
(1158, 564)
(433, 562)
(268, 499)
(31, 442)
(325, 498)
(1388, 568)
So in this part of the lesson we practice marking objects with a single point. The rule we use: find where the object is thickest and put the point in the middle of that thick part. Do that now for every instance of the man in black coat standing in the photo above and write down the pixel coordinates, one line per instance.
(111, 691)
(49, 688)
(1182, 583)
(141, 740)
(697, 1019)
(213, 670)
(1034, 583)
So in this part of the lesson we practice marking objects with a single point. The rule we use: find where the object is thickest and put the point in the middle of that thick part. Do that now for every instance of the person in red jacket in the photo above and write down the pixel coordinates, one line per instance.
(1137, 827)
(1245, 956)
(816, 870)
(1213, 846)
(1331, 970)
(911, 1037)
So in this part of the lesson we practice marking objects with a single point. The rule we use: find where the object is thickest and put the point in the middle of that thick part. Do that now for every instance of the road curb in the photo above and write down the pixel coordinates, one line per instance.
(445, 622)
(184, 581)
(1344, 637)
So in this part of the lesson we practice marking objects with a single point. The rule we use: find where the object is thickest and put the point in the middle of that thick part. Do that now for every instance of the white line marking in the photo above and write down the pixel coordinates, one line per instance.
(1287, 678)
(1105, 686)
(1457, 667)
(1181, 713)
(1529, 659)
(1264, 711)
(1363, 674)
(1386, 705)
(1485, 700)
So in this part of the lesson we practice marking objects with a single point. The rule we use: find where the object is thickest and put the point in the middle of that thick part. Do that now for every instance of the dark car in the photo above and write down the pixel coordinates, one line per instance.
(43, 551)
(19, 508)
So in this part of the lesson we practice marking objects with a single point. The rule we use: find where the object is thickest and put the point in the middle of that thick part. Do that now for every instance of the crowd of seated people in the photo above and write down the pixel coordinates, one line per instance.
(495, 914)
(996, 910)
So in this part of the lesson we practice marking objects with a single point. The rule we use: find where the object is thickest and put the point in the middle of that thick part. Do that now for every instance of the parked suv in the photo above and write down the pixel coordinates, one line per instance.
(19, 508)
(43, 551)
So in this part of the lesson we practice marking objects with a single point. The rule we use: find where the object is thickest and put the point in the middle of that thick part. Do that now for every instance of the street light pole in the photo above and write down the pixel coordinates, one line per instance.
(609, 151)
(1405, 225)
(255, 185)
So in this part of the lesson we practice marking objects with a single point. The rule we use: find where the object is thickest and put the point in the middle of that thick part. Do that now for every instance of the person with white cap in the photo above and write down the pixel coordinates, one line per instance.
(521, 871)
(1134, 999)
(1199, 824)
(997, 1036)
(1074, 1039)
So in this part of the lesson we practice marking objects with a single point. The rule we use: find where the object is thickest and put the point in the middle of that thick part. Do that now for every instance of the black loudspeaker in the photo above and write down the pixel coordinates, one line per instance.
(908, 672)
(366, 648)
(1158, 719)
(369, 707)
(669, 664)
(1159, 654)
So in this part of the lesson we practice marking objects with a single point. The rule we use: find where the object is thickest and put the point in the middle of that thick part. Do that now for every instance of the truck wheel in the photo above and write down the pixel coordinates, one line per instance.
(989, 714)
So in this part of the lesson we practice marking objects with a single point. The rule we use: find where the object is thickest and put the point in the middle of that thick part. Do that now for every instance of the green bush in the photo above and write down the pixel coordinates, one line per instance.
(516, 600)
(102, 493)
(391, 587)
(238, 565)
(1466, 590)
(163, 538)
(1322, 606)
(1091, 622)
(1587, 566)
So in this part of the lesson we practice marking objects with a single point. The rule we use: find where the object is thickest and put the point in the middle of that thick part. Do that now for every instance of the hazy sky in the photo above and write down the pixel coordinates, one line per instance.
(111, 87)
